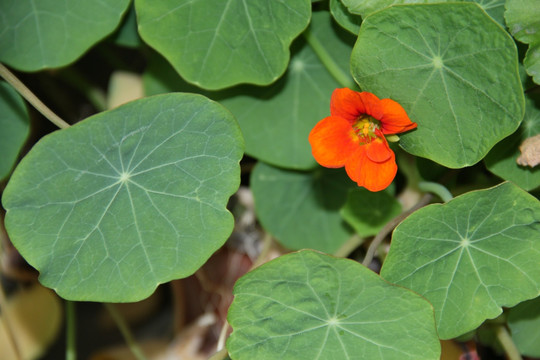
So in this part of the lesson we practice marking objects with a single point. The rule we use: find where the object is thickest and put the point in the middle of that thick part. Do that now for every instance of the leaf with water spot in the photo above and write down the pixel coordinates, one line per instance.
(308, 305)
(127, 199)
(470, 256)
(452, 68)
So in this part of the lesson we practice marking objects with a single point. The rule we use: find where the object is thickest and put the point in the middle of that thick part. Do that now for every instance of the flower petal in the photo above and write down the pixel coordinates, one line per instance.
(331, 141)
(350, 104)
(372, 175)
(378, 150)
(394, 119)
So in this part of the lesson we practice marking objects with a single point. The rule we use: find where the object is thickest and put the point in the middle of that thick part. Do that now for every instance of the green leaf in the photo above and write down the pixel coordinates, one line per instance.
(344, 18)
(470, 256)
(308, 305)
(276, 120)
(523, 19)
(452, 68)
(127, 35)
(501, 160)
(367, 212)
(14, 123)
(50, 33)
(127, 199)
(495, 8)
(524, 322)
(301, 209)
(217, 44)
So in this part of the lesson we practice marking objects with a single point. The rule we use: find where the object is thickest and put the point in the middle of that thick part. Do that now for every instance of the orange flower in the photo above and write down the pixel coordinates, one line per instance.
(353, 136)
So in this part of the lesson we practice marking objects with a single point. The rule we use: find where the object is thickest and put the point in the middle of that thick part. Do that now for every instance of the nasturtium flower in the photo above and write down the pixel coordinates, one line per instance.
(354, 136)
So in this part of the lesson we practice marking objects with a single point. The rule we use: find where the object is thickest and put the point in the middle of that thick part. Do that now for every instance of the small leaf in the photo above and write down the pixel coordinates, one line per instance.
(308, 305)
(502, 159)
(50, 33)
(127, 199)
(216, 44)
(523, 19)
(15, 126)
(524, 322)
(470, 256)
(367, 212)
(460, 82)
(301, 209)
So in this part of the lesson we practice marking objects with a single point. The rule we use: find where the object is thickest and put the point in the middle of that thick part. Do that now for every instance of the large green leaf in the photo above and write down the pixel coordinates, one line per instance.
(524, 322)
(501, 160)
(35, 35)
(308, 305)
(523, 19)
(220, 43)
(453, 69)
(127, 199)
(470, 256)
(14, 123)
(276, 120)
(301, 209)
(495, 8)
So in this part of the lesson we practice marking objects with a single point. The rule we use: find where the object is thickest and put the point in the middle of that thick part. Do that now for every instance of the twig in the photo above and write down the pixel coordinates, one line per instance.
(390, 226)
(31, 98)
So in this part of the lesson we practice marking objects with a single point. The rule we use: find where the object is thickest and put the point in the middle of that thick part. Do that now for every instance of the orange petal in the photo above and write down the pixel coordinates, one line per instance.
(331, 141)
(372, 175)
(378, 150)
(394, 119)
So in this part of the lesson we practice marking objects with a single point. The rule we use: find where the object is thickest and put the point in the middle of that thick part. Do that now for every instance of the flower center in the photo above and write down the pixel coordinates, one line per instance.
(364, 128)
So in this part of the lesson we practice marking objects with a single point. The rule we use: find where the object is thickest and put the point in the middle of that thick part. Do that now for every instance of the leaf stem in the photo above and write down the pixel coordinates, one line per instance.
(437, 189)
(341, 76)
(126, 333)
(71, 344)
(507, 343)
(31, 98)
(390, 226)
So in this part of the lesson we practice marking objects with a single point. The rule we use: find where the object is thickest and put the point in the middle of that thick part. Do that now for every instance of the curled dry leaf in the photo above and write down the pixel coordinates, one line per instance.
(530, 152)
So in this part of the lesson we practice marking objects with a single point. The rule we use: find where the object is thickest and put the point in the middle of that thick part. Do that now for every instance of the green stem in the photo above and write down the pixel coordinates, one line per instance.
(31, 98)
(435, 188)
(341, 76)
(507, 343)
(350, 245)
(71, 344)
(126, 333)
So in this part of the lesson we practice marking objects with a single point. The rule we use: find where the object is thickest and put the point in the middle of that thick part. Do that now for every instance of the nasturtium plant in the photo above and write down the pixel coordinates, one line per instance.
(308, 305)
(479, 248)
(224, 43)
(132, 197)
(15, 126)
(452, 68)
(43, 34)
(326, 138)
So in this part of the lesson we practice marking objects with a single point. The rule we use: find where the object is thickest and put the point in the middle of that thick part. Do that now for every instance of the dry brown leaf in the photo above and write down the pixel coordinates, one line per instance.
(530, 152)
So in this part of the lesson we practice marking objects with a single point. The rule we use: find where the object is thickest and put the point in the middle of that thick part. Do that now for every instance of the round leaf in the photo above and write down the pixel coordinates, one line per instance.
(470, 256)
(308, 305)
(127, 199)
(217, 44)
(301, 209)
(344, 18)
(501, 160)
(523, 19)
(14, 123)
(50, 33)
(452, 68)
(367, 212)
(524, 322)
